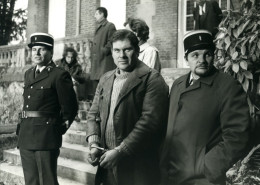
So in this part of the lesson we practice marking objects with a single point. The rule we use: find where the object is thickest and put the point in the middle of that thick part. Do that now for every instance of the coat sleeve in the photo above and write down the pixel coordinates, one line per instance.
(93, 127)
(67, 97)
(235, 122)
(152, 122)
(107, 48)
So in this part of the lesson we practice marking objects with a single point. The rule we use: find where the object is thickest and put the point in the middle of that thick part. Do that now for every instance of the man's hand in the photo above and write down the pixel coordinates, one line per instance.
(93, 156)
(110, 159)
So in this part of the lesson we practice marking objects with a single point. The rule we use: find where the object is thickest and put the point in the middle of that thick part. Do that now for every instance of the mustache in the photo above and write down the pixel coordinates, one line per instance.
(204, 64)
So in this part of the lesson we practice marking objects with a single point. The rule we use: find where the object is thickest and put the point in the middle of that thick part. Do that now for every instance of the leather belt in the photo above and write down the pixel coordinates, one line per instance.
(37, 114)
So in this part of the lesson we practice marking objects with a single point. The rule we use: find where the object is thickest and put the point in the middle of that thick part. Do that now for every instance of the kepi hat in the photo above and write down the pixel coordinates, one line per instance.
(41, 39)
(198, 39)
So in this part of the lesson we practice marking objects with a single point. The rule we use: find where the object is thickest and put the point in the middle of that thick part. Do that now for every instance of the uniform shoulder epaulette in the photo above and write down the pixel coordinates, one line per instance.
(58, 67)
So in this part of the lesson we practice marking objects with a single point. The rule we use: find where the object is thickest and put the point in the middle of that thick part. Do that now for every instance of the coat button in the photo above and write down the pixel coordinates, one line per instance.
(47, 122)
(29, 97)
(41, 87)
(27, 106)
(31, 87)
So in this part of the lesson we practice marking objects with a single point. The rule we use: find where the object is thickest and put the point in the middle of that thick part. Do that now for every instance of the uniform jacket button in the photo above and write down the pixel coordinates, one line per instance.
(31, 87)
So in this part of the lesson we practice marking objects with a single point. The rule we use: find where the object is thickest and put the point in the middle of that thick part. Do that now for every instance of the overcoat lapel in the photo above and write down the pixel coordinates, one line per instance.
(133, 80)
(106, 97)
(44, 74)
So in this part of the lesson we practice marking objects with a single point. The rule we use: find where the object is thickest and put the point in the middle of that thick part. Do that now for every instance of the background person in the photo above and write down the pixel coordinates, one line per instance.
(102, 60)
(148, 54)
(207, 15)
(70, 63)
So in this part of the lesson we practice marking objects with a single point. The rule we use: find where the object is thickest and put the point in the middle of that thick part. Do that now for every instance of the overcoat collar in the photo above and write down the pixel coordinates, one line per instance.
(132, 81)
(44, 74)
(103, 23)
(183, 87)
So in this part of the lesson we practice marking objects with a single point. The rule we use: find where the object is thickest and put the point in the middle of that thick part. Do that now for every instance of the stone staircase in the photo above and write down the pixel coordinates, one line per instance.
(73, 168)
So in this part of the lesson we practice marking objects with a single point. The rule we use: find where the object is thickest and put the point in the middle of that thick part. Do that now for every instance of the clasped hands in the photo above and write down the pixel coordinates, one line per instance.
(106, 159)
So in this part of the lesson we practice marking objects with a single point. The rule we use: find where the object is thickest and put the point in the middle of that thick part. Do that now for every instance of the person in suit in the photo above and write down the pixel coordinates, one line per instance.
(207, 15)
(127, 118)
(208, 123)
(102, 60)
(50, 106)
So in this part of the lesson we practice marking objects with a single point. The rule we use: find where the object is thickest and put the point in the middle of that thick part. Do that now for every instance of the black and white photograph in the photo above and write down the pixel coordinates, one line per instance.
(129, 92)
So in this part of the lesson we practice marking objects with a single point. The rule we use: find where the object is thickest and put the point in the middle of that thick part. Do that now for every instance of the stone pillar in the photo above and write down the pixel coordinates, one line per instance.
(38, 14)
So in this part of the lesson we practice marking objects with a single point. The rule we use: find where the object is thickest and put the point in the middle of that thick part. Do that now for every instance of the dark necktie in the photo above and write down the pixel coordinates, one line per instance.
(192, 81)
(37, 72)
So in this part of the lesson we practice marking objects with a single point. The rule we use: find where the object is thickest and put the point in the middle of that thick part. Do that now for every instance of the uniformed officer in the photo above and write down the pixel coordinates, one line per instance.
(50, 106)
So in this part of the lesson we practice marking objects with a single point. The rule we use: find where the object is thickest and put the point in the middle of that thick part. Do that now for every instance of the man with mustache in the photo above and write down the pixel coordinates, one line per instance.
(50, 106)
(208, 122)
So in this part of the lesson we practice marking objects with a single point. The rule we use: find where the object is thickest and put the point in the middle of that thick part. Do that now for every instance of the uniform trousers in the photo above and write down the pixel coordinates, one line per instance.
(40, 167)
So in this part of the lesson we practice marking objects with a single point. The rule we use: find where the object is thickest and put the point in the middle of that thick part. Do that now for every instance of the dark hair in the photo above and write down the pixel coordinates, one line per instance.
(123, 34)
(138, 26)
(102, 10)
(73, 51)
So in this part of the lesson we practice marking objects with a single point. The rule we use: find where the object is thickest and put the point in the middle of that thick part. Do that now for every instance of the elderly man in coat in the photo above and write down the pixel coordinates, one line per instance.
(50, 106)
(127, 120)
(208, 123)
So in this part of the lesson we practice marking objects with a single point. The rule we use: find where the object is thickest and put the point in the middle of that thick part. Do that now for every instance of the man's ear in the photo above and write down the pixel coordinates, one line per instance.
(186, 60)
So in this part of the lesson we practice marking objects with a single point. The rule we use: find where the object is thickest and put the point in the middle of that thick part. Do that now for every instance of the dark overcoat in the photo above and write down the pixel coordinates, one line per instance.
(208, 130)
(101, 56)
(51, 91)
(139, 120)
(210, 20)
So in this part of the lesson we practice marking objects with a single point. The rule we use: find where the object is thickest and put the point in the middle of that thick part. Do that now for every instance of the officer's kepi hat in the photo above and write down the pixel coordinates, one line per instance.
(198, 39)
(41, 39)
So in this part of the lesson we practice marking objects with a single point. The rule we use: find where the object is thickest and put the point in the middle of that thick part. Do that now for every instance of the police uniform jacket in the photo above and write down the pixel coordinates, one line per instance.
(51, 92)
(208, 130)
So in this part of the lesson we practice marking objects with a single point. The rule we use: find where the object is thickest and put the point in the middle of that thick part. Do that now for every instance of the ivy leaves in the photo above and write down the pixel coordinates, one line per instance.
(238, 46)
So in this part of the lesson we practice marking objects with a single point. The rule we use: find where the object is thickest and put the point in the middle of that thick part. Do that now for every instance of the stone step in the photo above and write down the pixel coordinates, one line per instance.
(75, 137)
(69, 151)
(74, 151)
(11, 174)
(75, 170)
(79, 126)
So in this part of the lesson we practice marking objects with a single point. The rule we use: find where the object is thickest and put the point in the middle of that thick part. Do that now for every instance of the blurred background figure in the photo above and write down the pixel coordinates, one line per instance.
(69, 63)
(102, 60)
(207, 15)
(148, 54)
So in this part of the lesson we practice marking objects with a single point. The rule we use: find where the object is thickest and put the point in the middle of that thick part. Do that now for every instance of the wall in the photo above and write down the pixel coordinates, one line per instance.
(38, 17)
(86, 17)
